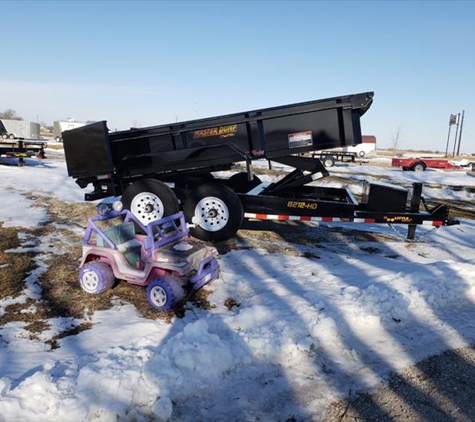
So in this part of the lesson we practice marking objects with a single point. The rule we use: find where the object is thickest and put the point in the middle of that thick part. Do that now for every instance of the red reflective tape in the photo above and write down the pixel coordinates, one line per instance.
(305, 218)
(262, 216)
(437, 223)
(283, 217)
(327, 218)
(369, 220)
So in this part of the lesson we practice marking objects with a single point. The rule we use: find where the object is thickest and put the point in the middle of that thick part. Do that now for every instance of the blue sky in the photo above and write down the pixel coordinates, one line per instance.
(147, 63)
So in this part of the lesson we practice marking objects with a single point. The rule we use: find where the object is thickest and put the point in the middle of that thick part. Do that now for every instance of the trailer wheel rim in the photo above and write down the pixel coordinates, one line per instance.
(158, 296)
(90, 281)
(211, 213)
(147, 207)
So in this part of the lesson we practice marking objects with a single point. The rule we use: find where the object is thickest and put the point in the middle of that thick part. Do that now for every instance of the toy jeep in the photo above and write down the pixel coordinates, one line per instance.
(164, 259)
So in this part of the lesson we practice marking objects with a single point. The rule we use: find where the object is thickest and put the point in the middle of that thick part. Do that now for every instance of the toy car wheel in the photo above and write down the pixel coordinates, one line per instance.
(239, 182)
(96, 277)
(215, 210)
(164, 294)
(150, 200)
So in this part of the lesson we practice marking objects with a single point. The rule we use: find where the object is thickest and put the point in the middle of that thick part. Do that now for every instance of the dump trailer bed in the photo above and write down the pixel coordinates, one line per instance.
(216, 142)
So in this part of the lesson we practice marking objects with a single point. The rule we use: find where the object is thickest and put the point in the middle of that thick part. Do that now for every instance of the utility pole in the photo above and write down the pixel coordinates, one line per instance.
(456, 132)
(460, 134)
(452, 120)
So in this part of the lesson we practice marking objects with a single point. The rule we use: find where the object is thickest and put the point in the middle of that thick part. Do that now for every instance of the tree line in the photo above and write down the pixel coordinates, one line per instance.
(10, 114)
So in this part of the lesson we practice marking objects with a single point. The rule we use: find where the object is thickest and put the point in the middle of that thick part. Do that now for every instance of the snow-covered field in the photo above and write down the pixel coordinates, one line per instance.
(310, 326)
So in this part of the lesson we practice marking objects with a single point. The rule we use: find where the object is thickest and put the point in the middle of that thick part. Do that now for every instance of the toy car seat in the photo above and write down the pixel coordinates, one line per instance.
(123, 236)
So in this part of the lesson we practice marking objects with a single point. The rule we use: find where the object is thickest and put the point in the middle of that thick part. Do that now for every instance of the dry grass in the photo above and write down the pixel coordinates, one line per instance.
(13, 266)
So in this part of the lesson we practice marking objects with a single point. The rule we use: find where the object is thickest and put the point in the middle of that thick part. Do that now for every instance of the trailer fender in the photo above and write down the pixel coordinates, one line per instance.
(150, 200)
(215, 212)
(240, 183)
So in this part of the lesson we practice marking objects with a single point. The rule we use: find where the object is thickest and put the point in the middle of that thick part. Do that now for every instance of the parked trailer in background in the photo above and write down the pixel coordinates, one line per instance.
(60, 126)
(160, 169)
(420, 164)
(367, 146)
(19, 129)
(347, 153)
(363, 149)
(22, 149)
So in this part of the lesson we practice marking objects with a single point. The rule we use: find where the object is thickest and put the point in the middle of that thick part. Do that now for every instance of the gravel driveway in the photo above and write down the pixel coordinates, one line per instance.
(440, 388)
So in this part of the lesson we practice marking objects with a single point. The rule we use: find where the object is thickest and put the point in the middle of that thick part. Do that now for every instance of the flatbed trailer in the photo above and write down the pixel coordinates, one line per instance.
(22, 149)
(161, 169)
(421, 163)
(329, 158)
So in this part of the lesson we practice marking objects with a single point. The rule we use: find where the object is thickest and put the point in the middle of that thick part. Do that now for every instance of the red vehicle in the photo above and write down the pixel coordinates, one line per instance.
(420, 164)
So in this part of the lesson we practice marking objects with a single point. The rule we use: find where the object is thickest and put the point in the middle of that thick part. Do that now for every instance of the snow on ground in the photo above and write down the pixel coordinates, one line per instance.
(308, 329)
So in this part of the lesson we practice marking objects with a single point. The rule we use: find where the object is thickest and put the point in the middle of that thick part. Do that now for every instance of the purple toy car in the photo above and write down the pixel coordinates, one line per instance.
(165, 259)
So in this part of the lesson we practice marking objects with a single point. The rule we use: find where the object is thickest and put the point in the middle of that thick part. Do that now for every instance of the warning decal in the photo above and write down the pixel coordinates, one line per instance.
(300, 139)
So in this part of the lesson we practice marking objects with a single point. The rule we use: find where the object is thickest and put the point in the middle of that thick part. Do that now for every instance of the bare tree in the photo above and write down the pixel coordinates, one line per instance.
(10, 114)
(397, 139)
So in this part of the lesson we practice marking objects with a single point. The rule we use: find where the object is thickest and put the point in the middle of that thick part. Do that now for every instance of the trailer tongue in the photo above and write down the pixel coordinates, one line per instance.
(141, 164)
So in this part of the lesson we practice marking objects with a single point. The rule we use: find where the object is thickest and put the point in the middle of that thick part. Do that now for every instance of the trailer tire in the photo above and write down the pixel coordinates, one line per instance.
(361, 154)
(418, 167)
(239, 182)
(150, 200)
(328, 161)
(5, 136)
(11, 136)
(215, 210)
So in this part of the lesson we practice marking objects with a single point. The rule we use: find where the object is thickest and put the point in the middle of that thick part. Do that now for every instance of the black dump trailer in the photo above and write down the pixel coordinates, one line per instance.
(161, 169)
